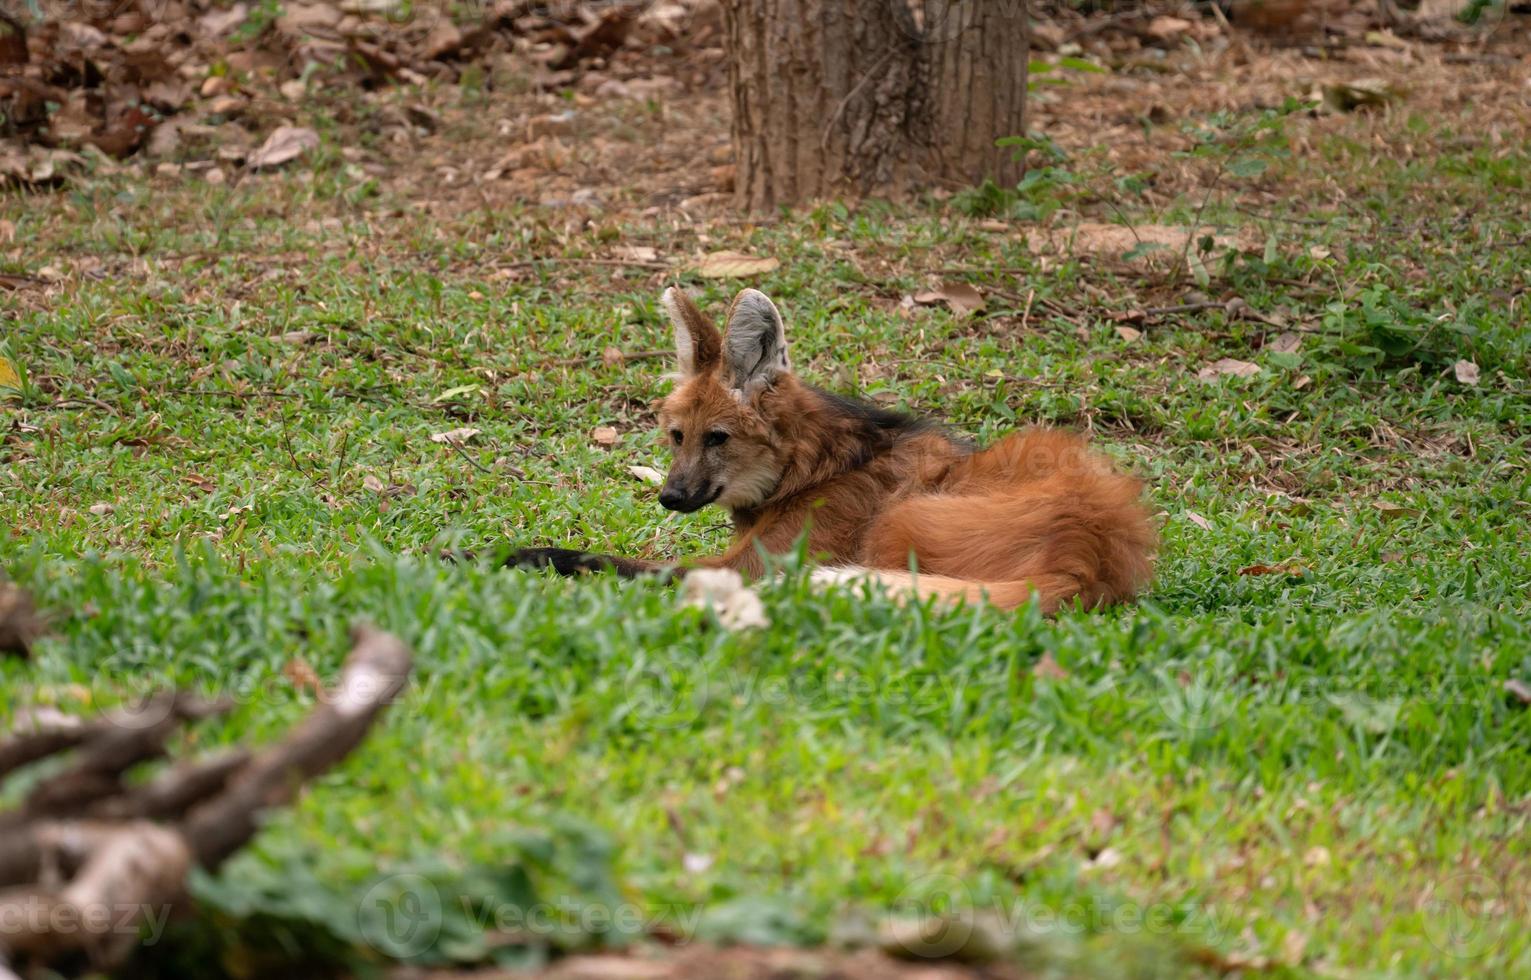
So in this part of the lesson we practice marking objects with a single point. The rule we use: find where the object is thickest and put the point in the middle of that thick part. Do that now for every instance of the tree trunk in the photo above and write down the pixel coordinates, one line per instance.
(840, 98)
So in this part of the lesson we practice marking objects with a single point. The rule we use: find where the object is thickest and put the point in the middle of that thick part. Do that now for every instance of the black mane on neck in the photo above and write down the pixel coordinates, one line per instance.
(878, 423)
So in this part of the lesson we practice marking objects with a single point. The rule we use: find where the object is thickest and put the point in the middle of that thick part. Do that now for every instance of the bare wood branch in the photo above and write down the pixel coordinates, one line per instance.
(41, 733)
(47, 852)
(87, 859)
(173, 793)
(131, 869)
(131, 735)
(373, 676)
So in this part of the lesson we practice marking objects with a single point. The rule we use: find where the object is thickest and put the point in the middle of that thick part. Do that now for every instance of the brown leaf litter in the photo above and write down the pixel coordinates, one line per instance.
(134, 76)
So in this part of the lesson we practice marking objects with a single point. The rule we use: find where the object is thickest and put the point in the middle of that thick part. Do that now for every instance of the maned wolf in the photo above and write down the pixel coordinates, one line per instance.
(879, 495)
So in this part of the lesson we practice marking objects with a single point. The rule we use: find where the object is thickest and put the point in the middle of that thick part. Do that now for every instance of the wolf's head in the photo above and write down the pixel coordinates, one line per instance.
(719, 420)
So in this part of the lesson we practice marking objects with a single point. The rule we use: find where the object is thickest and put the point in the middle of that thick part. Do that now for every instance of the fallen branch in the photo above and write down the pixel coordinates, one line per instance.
(126, 739)
(374, 675)
(88, 856)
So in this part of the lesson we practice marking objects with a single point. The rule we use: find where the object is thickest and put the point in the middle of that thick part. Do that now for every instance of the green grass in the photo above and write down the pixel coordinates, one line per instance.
(1320, 769)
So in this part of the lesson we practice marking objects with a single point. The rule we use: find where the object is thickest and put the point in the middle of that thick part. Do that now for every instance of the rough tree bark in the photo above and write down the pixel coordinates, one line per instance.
(858, 97)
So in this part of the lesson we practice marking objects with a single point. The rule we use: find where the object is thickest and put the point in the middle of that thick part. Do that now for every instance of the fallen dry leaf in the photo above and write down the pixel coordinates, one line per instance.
(303, 676)
(299, 18)
(959, 297)
(637, 253)
(1365, 93)
(200, 482)
(455, 437)
(1290, 569)
(733, 265)
(647, 474)
(1128, 334)
(1519, 689)
(372, 484)
(1198, 520)
(604, 435)
(1285, 343)
(1466, 372)
(216, 23)
(1164, 28)
(1108, 858)
(1227, 366)
(102, 509)
(164, 139)
(1294, 946)
(444, 39)
(1047, 668)
(286, 143)
(1394, 512)
(9, 376)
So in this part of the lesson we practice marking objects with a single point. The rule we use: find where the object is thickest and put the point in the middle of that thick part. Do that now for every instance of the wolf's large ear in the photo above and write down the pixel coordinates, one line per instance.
(755, 346)
(698, 346)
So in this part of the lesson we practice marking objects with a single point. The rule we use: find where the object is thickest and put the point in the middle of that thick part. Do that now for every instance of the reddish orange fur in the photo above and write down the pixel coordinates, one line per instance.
(1036, 515)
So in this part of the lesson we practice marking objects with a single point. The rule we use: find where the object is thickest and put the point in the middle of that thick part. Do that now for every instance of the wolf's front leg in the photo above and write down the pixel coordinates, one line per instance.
(566, 561)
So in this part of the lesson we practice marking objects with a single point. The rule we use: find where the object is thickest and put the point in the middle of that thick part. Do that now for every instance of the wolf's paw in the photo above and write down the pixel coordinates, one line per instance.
(564, 561)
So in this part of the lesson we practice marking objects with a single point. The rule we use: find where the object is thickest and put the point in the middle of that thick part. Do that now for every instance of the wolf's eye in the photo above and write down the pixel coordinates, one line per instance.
(678, 436)
(716, 438)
